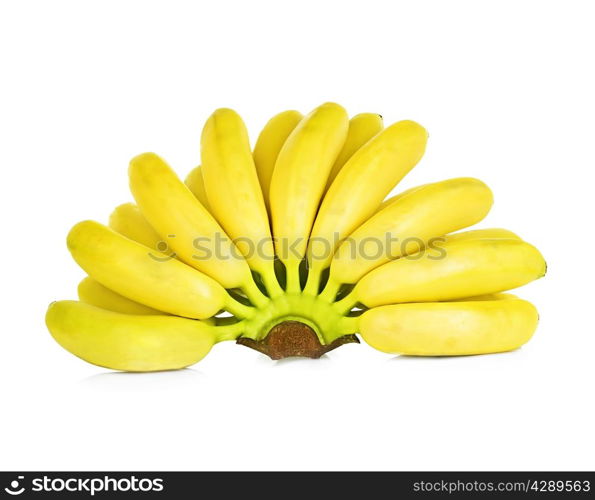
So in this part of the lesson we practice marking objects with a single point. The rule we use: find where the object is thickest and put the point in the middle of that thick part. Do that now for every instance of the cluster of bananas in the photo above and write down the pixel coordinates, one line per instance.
(258, 246)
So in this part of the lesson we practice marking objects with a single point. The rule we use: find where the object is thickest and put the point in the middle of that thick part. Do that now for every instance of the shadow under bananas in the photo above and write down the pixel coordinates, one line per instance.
(148, 382)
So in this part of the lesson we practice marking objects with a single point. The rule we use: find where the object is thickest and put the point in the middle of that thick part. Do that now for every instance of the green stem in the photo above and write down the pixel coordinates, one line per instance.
(345, 305)
(272, 285)
(349, 325)
(313, 282)
(229, 332)
(254, 294)
(238, 309)
(330, 291)
(292, 268)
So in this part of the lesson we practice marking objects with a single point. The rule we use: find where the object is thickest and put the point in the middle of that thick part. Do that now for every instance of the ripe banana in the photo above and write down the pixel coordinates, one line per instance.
(267, 147)
(482, 234)
(146, 276)
(462, 269)
(128, 220)
(94, 293)
(187, 227)
(362, 128)
(361, 185)
(196, 184)
(233, 188)
(450, 328)
(406, 225)
(397, 197)
(299, 180)
(128, 342)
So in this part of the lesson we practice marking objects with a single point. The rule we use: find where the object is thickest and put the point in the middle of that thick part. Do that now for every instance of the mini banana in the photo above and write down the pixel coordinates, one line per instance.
(146, 276)
(359, 188)
(128, 342)
(232, 185)
(269, 143)
(196, 184)
(397, 197)
(482, 234)
(362, 128)
(186, 226)
(459, 269)
(94, 293)
(128, 220)
(407, 224)
(299, 180)
(478, 326)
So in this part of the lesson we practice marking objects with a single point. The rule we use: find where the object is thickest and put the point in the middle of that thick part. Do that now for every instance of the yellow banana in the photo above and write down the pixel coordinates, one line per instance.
(462, 269)
(397, 197)
(362, 128)
(407, 224)
(128, 342)
(482, 234)
(450, 328)
(234, 192)
(128, 220)
(146, 276)
(299, 180)
(487, 296)
(196, 184)
(269, 143)
(189, 229)
(361, 185)
(94, 293)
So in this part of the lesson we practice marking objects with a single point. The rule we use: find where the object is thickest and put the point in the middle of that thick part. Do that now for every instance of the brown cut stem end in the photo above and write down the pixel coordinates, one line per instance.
(293, 338)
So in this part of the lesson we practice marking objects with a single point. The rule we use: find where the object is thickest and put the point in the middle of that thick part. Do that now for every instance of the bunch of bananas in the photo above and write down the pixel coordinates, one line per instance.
(292, 249)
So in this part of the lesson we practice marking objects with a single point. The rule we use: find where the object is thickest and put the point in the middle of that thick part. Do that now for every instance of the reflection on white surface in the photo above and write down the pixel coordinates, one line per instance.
(296, 362)
(303, 362)
(469, 357)
(144, 382)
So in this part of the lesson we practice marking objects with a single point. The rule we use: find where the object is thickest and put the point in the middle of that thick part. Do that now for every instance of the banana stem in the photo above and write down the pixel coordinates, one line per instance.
(229, 332)
(272, 285)
(293, 277)
(345, 305)
(254, 294)
(238, 309)
(330, 291)
(349, 325)
(313, 282)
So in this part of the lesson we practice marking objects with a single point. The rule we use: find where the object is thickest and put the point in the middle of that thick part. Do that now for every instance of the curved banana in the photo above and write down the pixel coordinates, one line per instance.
(187, 227)
(299, 180)
(128, 220)
(362, 128)
(269, 143)
(461, 269)
(495, 233)
(195, 182)
(147, 276)
(397, 197)
(450, 328)
(361, 185)
(487, 296)
(128, 342)
(407, 224)
(234, 192)
(94, 293)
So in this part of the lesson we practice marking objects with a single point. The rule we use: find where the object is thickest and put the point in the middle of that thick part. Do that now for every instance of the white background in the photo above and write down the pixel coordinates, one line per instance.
(504, 88)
